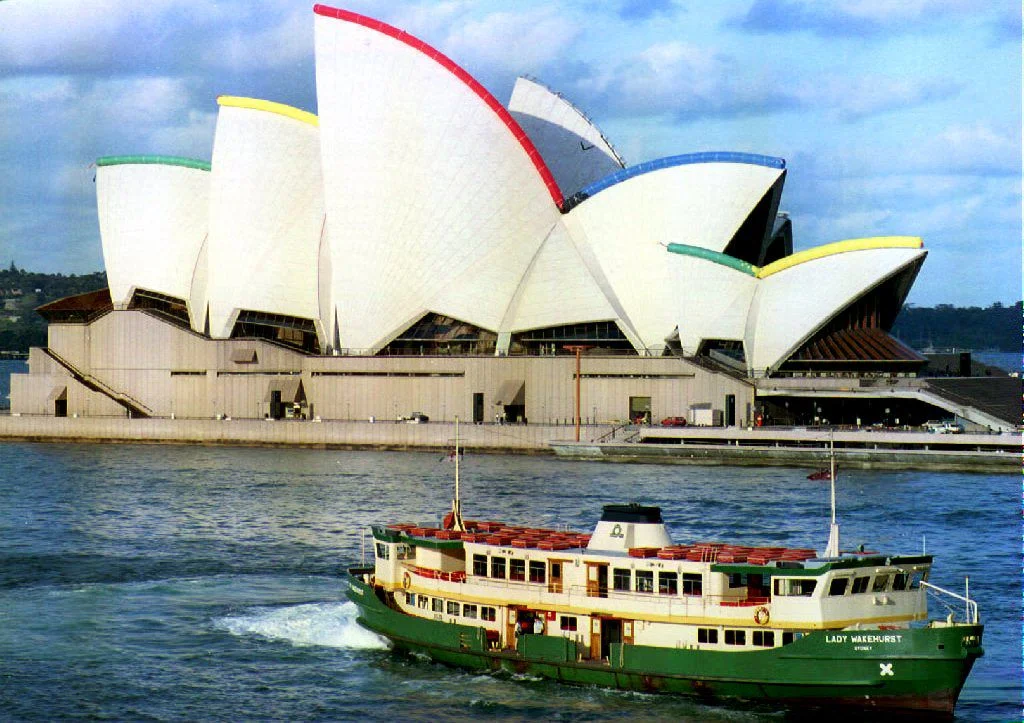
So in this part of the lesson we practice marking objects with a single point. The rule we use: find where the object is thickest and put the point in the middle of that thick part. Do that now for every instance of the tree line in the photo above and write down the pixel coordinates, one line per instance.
(997, 328)
(21, 292)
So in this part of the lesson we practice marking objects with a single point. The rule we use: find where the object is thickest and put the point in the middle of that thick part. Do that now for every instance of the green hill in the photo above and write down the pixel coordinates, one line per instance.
(22, 291)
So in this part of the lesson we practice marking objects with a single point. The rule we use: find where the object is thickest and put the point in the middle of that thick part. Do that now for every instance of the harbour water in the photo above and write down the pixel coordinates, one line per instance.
(189, 583)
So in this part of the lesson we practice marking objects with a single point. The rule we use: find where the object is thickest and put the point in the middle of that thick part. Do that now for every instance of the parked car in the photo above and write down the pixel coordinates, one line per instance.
(673, 422)
(417, 418)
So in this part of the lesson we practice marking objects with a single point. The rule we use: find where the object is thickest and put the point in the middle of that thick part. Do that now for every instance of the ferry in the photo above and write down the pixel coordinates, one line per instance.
(626, 607)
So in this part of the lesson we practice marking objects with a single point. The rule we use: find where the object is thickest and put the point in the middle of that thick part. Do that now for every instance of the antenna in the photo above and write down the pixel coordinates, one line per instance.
(456, 514)
(832, 549)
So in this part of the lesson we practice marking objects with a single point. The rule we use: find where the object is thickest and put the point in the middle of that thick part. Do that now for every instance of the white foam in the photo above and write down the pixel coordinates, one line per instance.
(328, 624)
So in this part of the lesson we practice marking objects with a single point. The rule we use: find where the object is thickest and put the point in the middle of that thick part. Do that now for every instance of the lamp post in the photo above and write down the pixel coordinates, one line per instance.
(579, 349)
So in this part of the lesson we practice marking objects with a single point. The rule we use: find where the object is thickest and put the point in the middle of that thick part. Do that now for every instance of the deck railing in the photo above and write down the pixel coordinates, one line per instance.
(970, 606)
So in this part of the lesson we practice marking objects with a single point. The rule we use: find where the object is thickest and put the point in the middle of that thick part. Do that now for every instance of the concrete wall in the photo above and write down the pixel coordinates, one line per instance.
(381, 435)
(173, 371)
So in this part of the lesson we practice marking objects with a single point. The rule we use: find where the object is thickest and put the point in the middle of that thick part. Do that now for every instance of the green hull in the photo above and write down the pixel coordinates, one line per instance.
(924, 672)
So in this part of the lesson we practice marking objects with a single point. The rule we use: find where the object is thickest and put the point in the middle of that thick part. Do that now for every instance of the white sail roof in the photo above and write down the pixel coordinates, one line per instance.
(574, 148)
(436, 199)
(153, 220)
(781, 319)
(557, 289)
(625, 220)
(266, 213)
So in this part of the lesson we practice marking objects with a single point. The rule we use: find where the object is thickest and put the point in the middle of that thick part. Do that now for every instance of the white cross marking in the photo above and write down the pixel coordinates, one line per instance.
(885, 669)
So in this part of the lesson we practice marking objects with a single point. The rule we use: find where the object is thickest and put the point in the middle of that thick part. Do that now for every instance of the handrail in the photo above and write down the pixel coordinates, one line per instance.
(133, 405)
(611, 435)
(971, 611)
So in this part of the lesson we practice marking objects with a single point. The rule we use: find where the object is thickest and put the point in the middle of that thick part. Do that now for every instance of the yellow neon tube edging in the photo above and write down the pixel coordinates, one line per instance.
(270, 107)
(840, 247)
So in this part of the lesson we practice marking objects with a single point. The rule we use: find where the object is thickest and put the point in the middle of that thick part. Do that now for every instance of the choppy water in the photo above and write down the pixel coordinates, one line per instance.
(190, 583)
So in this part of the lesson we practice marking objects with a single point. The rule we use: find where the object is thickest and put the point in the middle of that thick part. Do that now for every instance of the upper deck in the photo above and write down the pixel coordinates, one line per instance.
(698, 583)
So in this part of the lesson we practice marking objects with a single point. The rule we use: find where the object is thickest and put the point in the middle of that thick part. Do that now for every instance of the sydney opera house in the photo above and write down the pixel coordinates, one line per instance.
(418, 245)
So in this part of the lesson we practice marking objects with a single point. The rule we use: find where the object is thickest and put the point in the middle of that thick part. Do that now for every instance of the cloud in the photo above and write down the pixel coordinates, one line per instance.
(848, 18)
(682, 81)
(854, 98)
(971, 149)
(977, 149)
(1006, 26)
(644, 9)
(104, 36)
(514, 42)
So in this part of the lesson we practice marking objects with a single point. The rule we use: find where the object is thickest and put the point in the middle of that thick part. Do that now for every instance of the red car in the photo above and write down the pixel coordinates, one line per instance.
(673, 422)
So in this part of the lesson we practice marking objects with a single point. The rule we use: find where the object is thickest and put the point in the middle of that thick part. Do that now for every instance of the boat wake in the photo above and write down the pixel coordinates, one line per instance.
(326, 624)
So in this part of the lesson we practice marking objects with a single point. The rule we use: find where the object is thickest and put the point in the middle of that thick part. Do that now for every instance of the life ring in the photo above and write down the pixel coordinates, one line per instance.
(406, 581)
(762, 616)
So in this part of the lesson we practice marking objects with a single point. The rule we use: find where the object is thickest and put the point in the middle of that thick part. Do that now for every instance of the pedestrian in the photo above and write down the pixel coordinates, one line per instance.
(538, 625)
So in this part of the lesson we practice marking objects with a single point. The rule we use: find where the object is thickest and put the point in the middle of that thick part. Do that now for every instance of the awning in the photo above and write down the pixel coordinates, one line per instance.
(243, 356)
(511, 391)
(290, 388)
(58, 392)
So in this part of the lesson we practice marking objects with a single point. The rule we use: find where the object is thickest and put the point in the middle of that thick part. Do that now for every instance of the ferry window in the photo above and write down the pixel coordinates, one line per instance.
(668, 583)
(405, 552)
(645, 581)
(536, 571)
(692, 583)
(860, 584)
(737, 579)
(410, 598)
(899, 581)
(838, 586)
(469, 611)
(764, 638)
(480, 565)
(735, 637)
(794, 587)
(620, 579)
(453, 607)
(487, 613)
(568, 622)
(788, 638)
(804, 587)
(383, 552)
(916, 578)
(707, 635)
(498, 567)
(516, 569)
(422, 601)
(437, 605)
(881, 582)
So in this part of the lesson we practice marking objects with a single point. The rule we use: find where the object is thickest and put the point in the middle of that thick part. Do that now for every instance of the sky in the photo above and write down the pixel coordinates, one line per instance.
(895, 117)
